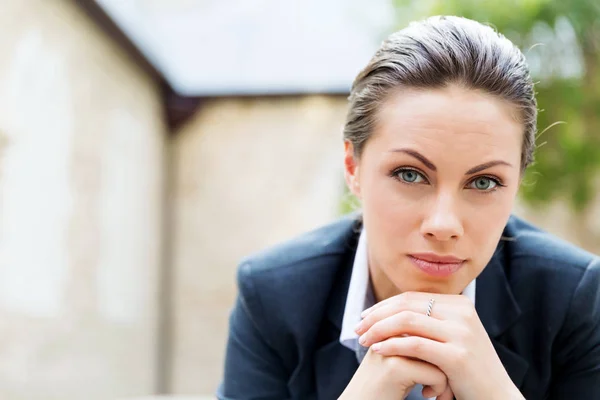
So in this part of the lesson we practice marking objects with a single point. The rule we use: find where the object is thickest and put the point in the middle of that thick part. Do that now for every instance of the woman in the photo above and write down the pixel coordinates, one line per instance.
(462, 299)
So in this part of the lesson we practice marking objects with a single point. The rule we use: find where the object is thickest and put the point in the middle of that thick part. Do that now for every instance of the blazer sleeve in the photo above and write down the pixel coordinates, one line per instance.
(577, 365)
(253, 369)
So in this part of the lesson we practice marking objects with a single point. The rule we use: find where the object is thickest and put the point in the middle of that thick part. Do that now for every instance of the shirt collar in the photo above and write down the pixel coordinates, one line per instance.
(357, 294)
(360, 296)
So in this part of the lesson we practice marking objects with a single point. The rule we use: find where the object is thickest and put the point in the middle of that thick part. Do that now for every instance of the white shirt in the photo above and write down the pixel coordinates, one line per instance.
(359, 297)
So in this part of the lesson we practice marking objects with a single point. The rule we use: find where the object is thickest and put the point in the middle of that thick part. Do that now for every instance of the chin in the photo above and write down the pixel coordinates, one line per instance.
(438, 289)
(445, 286)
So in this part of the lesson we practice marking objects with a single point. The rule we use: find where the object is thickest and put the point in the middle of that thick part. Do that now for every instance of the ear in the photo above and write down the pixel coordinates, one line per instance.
(351, 169)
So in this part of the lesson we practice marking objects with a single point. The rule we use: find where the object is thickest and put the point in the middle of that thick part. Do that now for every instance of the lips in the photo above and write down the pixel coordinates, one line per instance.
(437, 265)
(431, 257)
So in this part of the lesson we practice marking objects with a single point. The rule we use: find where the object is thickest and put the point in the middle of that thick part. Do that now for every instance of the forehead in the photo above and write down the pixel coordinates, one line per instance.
(462, 120)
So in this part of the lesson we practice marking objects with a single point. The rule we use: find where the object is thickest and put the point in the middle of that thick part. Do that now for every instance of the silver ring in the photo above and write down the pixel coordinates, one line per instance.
(430, 307)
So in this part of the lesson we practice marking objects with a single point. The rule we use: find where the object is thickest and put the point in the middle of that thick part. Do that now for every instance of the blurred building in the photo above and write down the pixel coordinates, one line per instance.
(145, 147)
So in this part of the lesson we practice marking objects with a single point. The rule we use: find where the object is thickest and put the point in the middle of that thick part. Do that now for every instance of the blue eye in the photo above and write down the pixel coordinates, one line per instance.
(483, 184)
(410, 176)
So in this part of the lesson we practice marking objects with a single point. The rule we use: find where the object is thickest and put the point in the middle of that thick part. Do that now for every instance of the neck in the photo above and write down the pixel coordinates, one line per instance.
(383, 288)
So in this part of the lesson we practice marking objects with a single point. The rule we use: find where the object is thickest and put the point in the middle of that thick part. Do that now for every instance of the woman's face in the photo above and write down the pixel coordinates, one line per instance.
(437, 181)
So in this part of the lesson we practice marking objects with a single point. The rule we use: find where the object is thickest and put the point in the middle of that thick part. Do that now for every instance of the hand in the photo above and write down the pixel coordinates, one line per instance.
(392, 378)
(452, 338)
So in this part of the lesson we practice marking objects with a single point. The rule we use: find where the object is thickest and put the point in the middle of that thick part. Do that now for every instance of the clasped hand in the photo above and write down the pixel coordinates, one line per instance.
(449, 352)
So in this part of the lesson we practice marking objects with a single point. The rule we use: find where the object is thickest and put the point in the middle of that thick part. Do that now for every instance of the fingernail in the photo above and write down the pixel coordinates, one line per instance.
(376, 347)
(359, 328)
(363, 339)
(364, 313)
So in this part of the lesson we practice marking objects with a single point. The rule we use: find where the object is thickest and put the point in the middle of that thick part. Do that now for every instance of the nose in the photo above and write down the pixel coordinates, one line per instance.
(442, 221)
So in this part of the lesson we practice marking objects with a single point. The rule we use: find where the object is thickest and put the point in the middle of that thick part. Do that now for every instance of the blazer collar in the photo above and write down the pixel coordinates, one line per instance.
(339, 293)
(495, 302)
(335, 364)
(498, 310)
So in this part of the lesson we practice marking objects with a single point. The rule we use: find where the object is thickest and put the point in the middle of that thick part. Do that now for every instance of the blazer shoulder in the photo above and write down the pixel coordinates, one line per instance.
(534, 253)
(285, 288)
(300, 254)
(529, 241)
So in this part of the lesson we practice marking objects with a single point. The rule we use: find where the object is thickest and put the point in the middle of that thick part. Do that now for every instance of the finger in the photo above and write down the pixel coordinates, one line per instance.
(447, 395)
(428, 393)
(419, 297)
(398, 298)
(415, 296)
(436, 353)
(445, 307)
(405, 302)
(427, 375)
(407, 323)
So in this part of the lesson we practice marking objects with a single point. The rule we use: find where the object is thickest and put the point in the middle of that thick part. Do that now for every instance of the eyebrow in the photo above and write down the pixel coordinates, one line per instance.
(432, 167)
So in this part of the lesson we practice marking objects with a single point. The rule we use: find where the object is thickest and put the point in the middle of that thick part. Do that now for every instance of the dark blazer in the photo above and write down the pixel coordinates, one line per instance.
(538, 298)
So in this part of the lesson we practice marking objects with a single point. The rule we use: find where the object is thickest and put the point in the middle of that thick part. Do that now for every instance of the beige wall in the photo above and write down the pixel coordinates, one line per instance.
(81, 154)
(249, 173)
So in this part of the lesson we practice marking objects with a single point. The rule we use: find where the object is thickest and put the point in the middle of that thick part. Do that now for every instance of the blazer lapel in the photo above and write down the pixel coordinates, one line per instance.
(498, 311)
(334, 367)
(515, 365)
(334, 364)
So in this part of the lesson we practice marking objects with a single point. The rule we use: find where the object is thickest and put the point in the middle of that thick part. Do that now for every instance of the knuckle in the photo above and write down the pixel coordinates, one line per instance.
(376, 329)
(396, 368)
(469, 312)
(374, 355)
(376, 315)
(403, 302)
(440, 377)
(407, 297)
(463, 334)
(392, 361)
(406, 319)
(417, 346)
(393, 364)
(369, 320)
(461, 357)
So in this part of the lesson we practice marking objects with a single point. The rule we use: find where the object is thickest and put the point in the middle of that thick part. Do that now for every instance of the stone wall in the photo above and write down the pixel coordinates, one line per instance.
(248, 173)
(81, 155)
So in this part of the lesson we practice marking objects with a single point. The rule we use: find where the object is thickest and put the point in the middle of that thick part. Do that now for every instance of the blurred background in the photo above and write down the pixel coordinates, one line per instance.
(147, 145)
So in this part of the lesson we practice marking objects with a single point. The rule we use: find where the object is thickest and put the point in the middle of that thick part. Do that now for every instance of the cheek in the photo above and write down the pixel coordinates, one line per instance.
(391, 216)
(383, 199)
(485, 222)
(389, 197)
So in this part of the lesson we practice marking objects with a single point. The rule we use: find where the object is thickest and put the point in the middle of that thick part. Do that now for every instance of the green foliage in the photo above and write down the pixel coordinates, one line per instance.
(349, 203)
(561, 39)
